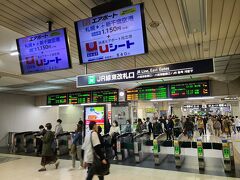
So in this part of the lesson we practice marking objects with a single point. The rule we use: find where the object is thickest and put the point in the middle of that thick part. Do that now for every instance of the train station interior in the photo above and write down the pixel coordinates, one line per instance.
(163, 74)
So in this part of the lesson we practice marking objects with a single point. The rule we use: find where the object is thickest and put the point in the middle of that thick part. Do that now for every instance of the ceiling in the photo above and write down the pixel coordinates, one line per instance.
(168, 43)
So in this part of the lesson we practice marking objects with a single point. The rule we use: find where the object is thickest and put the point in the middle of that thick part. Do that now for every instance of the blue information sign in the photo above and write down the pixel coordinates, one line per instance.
(112, 35)
(43, 52)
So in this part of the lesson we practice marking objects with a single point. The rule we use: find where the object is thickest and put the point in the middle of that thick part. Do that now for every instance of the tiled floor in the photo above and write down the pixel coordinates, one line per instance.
(26, 168)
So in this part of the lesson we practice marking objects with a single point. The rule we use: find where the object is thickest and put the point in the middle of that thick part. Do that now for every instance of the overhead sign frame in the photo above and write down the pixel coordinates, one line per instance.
(147, 73)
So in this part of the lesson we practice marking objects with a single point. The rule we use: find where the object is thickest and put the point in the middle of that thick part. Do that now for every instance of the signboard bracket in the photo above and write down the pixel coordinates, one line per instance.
(50, 23)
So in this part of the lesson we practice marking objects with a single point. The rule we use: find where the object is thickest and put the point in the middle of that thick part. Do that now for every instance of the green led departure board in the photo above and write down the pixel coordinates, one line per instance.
(148, 93)
(189, 89)
(79, 97)
(57, 99)
(104, 96)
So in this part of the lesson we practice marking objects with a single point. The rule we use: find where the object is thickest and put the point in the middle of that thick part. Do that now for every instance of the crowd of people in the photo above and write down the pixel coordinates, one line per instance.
(87, 149)
(173, 126)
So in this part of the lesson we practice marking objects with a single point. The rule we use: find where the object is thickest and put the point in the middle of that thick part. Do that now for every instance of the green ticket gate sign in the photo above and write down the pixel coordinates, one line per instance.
(226, 156)
(200, 151)
(226, 153)
(201, 163)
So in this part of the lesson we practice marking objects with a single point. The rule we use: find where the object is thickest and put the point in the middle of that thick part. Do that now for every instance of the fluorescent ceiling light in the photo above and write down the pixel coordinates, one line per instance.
(194, 15)
(45, 88)
(200, 98)
(59, 81)
(155, 100)
(65, 105)
(45, 106)
(5, 88)
(15, 53)
(72, 79)
(88, 104)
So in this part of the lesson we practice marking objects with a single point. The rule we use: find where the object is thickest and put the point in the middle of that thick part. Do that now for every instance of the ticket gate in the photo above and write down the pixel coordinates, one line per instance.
(228, 155)
(62, 143)
(29, 142)
(11, 143)
(124, 145)
(156, 148)
(18, 142)
(200, 152)
(177, 152)
(138, 141)
(107, 143)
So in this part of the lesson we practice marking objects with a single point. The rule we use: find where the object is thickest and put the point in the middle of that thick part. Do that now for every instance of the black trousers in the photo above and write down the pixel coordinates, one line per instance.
(90, 173)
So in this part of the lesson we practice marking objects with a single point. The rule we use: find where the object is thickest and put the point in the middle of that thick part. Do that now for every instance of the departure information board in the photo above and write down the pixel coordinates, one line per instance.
(57, 99)
(105, 96)
(148, 93)
(189, 89)
(79, 97)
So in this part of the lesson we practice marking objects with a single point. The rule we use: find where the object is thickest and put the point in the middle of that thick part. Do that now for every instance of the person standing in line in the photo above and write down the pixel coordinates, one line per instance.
(168, 129)
(139, 127)
(77, 141)
(128, 128)
(48, 155)
(58, 128)
(91, 144)
(237, 124)
(114, 132)
(149, 126)
(156, 129)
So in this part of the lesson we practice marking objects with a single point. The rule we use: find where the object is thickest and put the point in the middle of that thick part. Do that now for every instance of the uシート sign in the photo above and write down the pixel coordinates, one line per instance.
(179, 69)
(115, 34)
(44, 52)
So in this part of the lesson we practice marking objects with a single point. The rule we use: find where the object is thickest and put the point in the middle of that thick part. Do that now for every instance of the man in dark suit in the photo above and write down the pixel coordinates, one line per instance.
(149, 126)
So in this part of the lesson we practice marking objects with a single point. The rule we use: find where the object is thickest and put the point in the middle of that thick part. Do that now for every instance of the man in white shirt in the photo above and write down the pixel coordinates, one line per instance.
(58, 128)
(237, 124)
(91, 144)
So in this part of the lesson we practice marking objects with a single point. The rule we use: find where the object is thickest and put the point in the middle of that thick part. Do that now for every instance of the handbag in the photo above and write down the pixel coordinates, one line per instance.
(100, 169)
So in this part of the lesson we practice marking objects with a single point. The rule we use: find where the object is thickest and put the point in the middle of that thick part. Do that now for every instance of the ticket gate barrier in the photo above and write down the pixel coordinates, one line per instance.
(200, 151)
(228, 155)
(11, 143)
(231, 154)
(124, 145)
(107, 143)
(29, 142)
(18, 142)
(62, 143)
(138, 145)
(177, 152)
(156, 148)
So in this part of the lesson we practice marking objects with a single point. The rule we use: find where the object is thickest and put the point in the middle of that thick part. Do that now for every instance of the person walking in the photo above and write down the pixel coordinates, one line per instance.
(90, 146)
(216, 127)
(200, 125)
(48, 155)
(76, 148)
(39, 136)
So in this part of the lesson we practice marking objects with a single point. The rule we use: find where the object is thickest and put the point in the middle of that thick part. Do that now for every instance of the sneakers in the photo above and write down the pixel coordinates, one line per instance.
(57, 164)
(42, 169)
